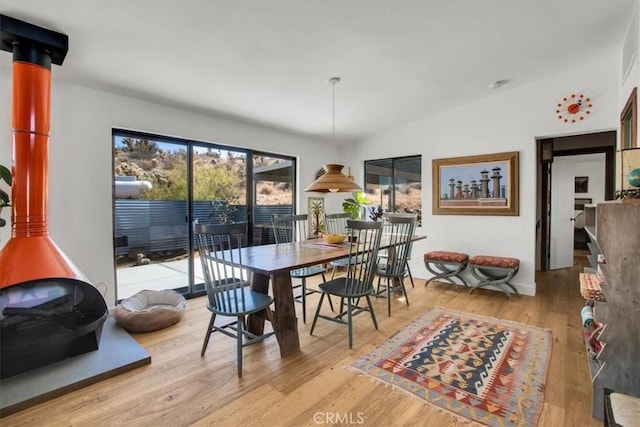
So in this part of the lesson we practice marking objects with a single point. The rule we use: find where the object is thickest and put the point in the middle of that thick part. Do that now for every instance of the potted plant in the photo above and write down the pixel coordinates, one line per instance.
(354, 205)
(5, 175)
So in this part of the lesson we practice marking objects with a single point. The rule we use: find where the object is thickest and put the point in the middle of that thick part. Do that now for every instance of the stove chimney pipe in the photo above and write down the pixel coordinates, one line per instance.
(30, 254)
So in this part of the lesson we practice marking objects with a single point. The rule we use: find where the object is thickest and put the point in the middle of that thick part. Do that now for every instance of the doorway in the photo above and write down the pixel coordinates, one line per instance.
(582, 150)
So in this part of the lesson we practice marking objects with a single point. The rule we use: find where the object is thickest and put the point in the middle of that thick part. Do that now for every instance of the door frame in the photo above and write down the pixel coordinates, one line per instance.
(544, 160)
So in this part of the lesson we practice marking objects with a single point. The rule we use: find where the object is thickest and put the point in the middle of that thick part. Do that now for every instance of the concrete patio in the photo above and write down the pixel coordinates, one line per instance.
(156, 276)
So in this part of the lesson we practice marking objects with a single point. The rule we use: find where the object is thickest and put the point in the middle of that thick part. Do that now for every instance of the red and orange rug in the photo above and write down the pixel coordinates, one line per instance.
(477, 368)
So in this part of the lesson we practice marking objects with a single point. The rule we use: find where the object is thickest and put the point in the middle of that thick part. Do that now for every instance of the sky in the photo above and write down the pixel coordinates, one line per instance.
(468, 172)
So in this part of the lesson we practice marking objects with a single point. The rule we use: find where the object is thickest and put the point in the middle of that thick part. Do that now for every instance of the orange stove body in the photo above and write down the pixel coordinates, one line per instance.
(30, 254)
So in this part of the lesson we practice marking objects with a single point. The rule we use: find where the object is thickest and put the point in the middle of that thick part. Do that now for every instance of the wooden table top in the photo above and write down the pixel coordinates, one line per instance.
(270, 259)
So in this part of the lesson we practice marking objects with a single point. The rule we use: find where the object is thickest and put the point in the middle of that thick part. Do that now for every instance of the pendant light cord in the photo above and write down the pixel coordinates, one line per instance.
(333, 81)
(333, 117)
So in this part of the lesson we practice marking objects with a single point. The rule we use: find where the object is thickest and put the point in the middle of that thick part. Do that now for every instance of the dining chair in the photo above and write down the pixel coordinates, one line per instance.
(399, 229)
(337, 224)
(383, 254)
(407, 269)
(358, 282)
(227, 284)
(293, 228)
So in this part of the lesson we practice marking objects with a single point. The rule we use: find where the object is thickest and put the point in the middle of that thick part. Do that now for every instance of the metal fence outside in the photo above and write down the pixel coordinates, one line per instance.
(160, 225)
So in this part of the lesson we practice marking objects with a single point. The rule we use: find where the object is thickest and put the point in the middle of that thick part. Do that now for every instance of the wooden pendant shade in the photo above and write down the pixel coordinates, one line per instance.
(334, 181)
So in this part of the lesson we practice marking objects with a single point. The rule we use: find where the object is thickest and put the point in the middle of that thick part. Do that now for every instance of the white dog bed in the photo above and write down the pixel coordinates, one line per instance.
(150, 310)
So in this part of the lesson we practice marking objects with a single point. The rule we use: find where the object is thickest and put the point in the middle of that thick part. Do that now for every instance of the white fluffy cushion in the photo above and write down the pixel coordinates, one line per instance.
(150, 310)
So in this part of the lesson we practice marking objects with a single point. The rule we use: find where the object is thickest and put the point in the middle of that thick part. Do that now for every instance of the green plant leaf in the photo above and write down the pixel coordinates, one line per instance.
(4, 199)
(355, 204)
(5, 174)
(361, 197)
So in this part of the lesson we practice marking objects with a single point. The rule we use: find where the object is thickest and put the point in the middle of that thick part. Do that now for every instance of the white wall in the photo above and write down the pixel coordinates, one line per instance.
(80, 194)
(509, 120)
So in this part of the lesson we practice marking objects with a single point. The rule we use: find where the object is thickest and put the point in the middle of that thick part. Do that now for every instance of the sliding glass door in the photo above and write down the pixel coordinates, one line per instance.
(219, 193)
(151, 232)
(163, 185)
(273, 190)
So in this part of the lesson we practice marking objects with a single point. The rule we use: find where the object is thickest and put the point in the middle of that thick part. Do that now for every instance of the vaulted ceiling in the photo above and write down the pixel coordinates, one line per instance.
(269, 62)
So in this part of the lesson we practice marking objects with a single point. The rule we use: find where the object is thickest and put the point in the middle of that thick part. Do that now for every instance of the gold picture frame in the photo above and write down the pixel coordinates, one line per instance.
(465, 185)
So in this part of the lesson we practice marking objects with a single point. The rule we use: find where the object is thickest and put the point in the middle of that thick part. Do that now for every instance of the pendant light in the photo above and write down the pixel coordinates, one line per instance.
(333, 181)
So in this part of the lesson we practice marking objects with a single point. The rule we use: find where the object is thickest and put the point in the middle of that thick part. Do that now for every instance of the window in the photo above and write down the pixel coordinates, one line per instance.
(163, 184)
(395, 184)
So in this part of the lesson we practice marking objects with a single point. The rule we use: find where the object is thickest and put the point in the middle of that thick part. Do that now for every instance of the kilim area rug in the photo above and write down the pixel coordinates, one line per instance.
(476, 368)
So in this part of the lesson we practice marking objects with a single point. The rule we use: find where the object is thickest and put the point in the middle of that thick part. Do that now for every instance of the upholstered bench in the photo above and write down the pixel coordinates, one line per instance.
(445, 265)
(494, 271)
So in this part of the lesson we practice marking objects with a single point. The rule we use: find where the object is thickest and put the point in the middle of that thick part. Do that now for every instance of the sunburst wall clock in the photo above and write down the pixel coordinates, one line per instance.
(574, 108)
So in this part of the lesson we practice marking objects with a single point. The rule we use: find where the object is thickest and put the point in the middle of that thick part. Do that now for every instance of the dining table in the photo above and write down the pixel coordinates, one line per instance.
(273, 263)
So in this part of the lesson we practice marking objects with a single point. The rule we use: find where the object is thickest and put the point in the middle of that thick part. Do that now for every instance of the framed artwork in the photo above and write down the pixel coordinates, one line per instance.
(629, 121)
(578, 203)
(316, 216)
(476, 185)
(582, 184)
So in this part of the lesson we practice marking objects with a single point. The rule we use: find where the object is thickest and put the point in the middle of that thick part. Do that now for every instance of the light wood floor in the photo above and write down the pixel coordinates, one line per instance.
(180, 388)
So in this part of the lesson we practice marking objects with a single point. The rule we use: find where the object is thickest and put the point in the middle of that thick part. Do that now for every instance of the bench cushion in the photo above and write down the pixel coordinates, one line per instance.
(446, 256)
(494, 261)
